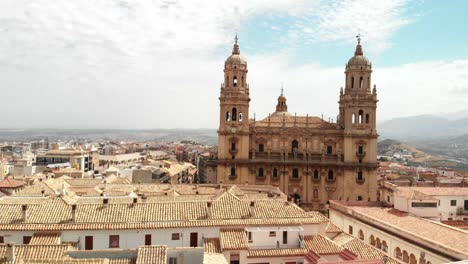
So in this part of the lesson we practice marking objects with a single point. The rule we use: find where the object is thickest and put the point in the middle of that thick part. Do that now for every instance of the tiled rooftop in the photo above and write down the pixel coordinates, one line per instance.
(233, 239)
(321, 245)
(212, 245)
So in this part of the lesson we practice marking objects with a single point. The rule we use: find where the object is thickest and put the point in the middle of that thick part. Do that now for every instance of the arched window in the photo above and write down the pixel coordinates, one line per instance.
(316, 174)
(359, 175)
(242, 81)
(260, 172)
(241, 116)
(352, 82)
(372, 240)
(294, 145)
(227, 80)
(405, 256)
(412, 259)
(367, 118)
(354, 119)
(275, 173)
(384, 246)
(331, 176)
(361, 235)
(228, 116)
(315, 194)
(378, 244)
(361, 116)
(234, 81)
(234, 114)
(361, 82)
(398, 253)
(233, 171)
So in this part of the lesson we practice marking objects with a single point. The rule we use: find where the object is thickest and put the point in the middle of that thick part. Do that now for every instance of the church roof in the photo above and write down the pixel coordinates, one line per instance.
(276, 120)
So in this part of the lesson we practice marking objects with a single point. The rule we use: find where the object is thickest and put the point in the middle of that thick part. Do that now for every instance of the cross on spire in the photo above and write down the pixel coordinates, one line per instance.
(235, 39)
(282, 89)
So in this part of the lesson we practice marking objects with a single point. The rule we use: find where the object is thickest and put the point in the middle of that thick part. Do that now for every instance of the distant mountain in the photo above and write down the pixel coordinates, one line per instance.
(423, 126)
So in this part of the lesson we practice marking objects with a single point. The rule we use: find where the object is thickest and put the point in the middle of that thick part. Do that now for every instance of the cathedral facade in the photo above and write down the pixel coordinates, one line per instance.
(308, 158)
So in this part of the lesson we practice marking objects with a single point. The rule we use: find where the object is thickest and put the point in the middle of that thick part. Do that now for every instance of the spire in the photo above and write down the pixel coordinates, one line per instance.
(282, 89)
(236, 50)
(358, 46)
(282, 106)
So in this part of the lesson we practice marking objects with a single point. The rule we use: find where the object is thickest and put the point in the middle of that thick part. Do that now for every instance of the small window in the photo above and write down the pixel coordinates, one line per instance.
(361, 82)
(275, 173)
(316, 175)
(331, 175)
(175, 236)
(360, 149)
(26, 240)
(172, 260)
(249, 236)
(272, 234)
(352, 82)
(453, 202)
(359, 176)
(361, 115)
(353, 119)
(233, 171)
(260, 147)
(235, 81)
(148, 240)
(114, 241)
(285, 237)
(295, 174)
(260, 172)
(233, 146)
(228, 116)
(2, 240)
(367, 118)
(241, 116)
(350, 230)
(359, 198)
(329, 150)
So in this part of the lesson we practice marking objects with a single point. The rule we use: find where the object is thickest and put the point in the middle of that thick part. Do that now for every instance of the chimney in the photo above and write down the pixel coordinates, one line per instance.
(135, 201)
(208, 209)
(11, 254)
(143, 198)
(24, 207)
(105, 202)
(73, 213)
(252, 209)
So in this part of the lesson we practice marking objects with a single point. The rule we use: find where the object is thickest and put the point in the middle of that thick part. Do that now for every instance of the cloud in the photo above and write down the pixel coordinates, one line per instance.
(150, 64)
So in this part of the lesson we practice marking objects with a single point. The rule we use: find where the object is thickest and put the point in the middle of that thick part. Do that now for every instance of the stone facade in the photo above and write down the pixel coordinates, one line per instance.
(305, 156)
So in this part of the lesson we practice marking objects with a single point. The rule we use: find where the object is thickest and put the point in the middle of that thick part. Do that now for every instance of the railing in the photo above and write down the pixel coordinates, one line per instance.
(233, 151)
(361, 154)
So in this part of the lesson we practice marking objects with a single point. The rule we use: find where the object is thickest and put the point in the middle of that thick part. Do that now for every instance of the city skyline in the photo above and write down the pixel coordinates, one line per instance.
(152, 64)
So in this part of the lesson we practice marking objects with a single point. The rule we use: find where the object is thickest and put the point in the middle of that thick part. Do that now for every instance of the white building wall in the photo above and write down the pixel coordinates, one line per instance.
(447, 211)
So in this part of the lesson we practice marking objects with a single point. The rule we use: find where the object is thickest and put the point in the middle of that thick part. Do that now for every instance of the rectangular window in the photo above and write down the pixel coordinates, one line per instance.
(260, 147)
(148, 240)
(175, 236)
(2, 240)
(233, 146)
(260, 172)
(295, 173)
(272, 234)
(114, 241)
(350, 229)
(249, 236)
(172, 260)
(285, 237)
(275, 173)
(26, 240)
(453, 202)
(423, 205)
(234, 259)
(329, 150)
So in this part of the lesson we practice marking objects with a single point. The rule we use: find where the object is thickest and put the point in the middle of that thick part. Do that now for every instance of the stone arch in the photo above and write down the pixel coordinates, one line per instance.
(398, 253)
(384, 246)
(294, 145)
(412, 259)
(405, 256)
(234, 114)
(361, 234)
(234, 81)
(361, 117)
(378, 244)
(367, 118)
(372, 240)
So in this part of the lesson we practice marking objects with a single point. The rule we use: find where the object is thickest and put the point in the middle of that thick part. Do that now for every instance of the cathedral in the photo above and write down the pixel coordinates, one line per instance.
(306, 157)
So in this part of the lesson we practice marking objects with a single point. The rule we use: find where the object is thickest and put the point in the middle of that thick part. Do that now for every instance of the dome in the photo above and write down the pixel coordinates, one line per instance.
(359, 59)
(236, 59)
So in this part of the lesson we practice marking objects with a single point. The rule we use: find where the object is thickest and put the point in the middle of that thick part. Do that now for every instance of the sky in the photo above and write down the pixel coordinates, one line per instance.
(159, 64)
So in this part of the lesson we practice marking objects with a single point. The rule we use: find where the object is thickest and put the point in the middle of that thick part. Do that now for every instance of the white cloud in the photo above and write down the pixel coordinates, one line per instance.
(149, 64)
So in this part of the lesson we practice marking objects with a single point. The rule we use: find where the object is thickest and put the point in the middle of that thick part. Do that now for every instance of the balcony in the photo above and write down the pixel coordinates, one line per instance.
(360, 154)
(331, 180)
(233, 151)
(461, 211)
(360, 180)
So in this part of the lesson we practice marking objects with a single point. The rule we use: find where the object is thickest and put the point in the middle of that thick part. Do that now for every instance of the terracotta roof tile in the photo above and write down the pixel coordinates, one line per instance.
(277, 252)
(10, 183)
(321, 245)
(233, 239)
(152, 254)
(212, 245)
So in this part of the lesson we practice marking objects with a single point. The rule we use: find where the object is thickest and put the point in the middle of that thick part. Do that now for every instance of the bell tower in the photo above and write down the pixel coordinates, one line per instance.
(357, 118)
(233, 132)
